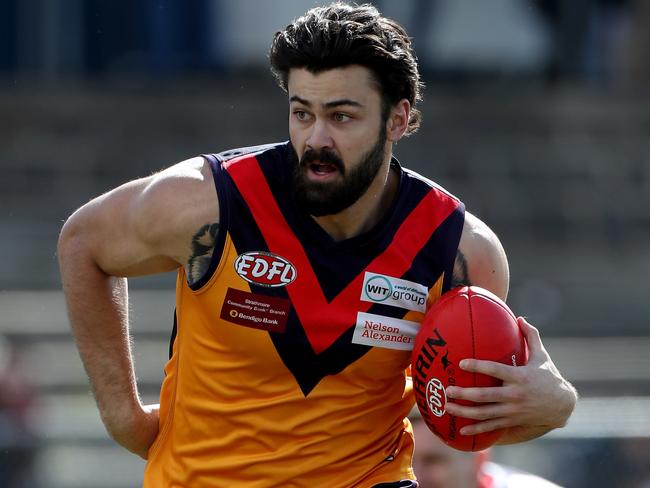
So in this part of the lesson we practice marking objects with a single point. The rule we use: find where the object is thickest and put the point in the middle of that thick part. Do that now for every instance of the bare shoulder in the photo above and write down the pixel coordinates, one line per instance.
(481, 259)
(180, 213)
(147, 225)
(177, 200)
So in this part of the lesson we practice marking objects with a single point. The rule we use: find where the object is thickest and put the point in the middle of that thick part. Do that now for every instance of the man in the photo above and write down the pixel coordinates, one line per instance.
(301, 282)
(439, 466)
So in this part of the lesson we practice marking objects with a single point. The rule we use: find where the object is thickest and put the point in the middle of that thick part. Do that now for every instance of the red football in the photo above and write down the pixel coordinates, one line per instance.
(466, 322)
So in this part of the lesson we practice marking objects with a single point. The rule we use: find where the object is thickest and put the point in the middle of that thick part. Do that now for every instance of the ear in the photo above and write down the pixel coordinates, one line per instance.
(398, 120)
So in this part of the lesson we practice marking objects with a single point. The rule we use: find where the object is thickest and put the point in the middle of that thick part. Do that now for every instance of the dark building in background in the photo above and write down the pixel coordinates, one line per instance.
(54, 39)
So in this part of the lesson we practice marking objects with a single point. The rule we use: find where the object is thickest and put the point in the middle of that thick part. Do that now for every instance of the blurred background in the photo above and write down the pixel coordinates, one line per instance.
(536, 114)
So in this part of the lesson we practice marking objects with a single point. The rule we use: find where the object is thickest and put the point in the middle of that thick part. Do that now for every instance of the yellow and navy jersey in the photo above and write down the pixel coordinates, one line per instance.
(289, 360)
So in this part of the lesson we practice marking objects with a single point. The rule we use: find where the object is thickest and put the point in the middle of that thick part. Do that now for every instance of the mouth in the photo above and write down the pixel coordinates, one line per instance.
(322, 168)
(319, 171)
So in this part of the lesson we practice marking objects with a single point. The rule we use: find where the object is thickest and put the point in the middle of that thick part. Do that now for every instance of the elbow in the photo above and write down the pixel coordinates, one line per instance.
(68, 240)
(73, 246)
(76, 255)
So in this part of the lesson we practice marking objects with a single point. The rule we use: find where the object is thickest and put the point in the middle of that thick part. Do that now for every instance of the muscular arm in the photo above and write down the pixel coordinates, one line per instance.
(481, 259)
(143, 227)
(534, 398)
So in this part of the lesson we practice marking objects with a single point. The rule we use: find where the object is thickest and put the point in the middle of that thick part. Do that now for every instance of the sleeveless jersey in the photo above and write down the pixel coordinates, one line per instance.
(288, 365)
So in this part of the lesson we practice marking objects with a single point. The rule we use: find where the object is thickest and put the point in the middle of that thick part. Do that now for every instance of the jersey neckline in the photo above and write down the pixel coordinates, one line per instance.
(310, 230)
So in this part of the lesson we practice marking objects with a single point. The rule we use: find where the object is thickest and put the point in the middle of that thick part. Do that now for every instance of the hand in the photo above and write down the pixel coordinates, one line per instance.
(137, 431)
(532, 400)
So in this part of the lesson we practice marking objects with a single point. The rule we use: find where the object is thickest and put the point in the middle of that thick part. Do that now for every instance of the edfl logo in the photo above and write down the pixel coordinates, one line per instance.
(265, 268)
(378, 288)
(436, 397)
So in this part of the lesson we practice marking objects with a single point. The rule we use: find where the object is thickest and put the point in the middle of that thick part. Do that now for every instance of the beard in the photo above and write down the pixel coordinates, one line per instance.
(320, 199)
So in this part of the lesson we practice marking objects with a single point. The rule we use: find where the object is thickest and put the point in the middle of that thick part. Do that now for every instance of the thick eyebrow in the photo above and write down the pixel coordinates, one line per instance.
(332, 104)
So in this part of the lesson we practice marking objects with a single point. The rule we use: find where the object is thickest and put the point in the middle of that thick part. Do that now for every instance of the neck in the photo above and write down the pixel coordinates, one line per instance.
(362, 215)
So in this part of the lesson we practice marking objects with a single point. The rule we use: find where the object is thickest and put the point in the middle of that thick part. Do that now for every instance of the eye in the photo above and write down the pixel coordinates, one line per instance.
(301, 115)
(341, 117)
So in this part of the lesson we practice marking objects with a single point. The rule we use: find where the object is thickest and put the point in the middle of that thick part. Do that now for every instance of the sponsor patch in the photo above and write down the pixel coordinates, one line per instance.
(255, 310)
(388, 332)
(265, 268)
(378, 288)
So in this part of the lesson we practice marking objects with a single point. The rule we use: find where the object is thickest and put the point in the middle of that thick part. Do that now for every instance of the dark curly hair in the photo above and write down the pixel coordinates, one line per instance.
(341, 35)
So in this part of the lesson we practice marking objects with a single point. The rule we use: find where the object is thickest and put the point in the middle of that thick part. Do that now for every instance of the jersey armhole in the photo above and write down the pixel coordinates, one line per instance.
(457, 220)
(224, 217)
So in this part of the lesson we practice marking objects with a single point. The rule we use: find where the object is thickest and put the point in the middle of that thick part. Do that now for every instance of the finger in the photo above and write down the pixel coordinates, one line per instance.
(491, 368)
(487, 426)
(486, 394)
(531, 334)
(478, 412)
(537, 353)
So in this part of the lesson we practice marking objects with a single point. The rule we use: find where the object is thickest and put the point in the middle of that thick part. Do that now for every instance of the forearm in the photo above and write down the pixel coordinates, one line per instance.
(98, 314)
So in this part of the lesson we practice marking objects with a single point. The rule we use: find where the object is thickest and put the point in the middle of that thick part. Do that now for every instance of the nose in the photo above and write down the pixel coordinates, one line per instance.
(319, 136)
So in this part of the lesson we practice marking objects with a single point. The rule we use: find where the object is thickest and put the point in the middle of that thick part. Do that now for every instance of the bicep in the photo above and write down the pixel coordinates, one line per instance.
(144, 226)
(481, 259)
(108, 231)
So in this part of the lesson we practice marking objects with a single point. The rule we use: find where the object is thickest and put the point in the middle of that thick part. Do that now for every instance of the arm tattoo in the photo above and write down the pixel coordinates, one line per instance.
(203, 243)
(460, 276)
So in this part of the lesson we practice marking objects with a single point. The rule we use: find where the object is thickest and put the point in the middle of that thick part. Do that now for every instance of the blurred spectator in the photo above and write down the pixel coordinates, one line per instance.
(17, 441)
(637, 61)
(439, 466)
(507, 36)
(588, 38)
(576, 40)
